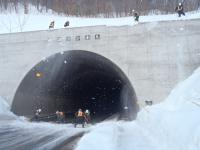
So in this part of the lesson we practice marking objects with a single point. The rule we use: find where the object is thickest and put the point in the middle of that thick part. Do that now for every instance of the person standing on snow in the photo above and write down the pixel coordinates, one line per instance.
(60, 116)
(37, 115)
(179, 10)
(87, 116)
(79, 118)
(136, 15)
(52, 23)
(66, 24)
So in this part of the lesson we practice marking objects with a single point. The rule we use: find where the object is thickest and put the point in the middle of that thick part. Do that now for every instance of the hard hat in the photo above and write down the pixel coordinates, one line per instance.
(39, 110)
(179, 4)
(133, 10)
(87, 111)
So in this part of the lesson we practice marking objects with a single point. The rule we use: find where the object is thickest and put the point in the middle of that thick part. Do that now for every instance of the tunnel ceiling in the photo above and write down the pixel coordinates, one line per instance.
(76, 79)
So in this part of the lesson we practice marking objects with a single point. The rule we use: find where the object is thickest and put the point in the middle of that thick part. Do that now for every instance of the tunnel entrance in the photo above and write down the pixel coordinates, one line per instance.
(76, 79)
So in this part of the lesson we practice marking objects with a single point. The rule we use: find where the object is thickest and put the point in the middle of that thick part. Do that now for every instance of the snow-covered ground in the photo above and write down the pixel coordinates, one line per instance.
(11, 22)
(173, 124)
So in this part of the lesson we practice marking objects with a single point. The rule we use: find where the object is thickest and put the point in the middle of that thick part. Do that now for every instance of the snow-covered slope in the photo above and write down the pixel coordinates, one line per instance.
(173, 124)
(11, 22)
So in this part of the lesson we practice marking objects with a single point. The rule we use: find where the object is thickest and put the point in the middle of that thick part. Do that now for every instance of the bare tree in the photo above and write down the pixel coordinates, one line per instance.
(93, 8)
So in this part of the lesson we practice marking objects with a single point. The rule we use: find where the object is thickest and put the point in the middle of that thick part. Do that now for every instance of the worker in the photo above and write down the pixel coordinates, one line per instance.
(136, 15)
(37, 115)
(79, 118)
(52, 23)
(66, 24)
(87, 116)
(179, 10)
(60, 116)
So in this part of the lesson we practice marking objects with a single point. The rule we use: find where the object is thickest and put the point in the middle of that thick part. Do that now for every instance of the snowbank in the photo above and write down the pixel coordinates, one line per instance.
(173, 124)
(4, 107)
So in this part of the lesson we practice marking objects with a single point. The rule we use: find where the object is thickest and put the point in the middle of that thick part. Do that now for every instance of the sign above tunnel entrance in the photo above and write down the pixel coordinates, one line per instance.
(86, 37)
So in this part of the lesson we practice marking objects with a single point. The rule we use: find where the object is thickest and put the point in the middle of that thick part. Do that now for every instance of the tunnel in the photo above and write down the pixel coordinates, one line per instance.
(76, 79)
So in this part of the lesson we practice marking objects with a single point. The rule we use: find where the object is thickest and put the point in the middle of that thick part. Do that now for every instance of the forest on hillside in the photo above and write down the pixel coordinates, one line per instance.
(99, 8)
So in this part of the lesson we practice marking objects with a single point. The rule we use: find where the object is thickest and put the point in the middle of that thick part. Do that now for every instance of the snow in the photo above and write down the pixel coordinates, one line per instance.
(11, 22)
(18, 133)
(4, 107)
(173, 124)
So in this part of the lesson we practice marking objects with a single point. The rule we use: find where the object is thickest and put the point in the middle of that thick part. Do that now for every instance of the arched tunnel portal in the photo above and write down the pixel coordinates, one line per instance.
(76, 79)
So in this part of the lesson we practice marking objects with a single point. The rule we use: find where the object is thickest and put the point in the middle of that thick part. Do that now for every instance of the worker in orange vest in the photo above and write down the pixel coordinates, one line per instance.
(79, 118)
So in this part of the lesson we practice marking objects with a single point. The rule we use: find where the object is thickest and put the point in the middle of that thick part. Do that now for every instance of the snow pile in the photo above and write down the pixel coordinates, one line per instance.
(173, 124)
(4, 107)
(11, 22)
(5, 113)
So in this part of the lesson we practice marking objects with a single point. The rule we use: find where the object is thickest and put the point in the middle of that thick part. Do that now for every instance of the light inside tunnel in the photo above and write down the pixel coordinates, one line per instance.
(76, 79)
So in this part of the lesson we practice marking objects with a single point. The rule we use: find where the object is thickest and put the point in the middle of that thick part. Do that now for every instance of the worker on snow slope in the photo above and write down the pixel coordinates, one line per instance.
(66, 24)
(52, 23)
(135, 14)
(179, 10)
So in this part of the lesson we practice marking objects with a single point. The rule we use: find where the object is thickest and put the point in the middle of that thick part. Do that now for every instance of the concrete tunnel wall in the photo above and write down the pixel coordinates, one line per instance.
(76, 79)
(154, 56)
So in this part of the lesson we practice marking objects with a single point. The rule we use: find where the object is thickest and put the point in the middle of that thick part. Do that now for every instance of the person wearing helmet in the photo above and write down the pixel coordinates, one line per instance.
(58, 116)
(135, 14)
(37, 115)
(79, 118)
(62, 117)
(52, 23)
(39, 110)
(179, 10)
(87, 116)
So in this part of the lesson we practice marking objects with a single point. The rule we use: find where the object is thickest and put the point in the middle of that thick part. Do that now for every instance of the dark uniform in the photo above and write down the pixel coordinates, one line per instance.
(60, 117)
(136, 15)
(179, 10)
(51, 26)
(79, 118)
(87, 117)
(66, 24)
(37, 115)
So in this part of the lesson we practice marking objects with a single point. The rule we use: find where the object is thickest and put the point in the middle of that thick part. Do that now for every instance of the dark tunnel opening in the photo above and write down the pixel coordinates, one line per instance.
(76, 79)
